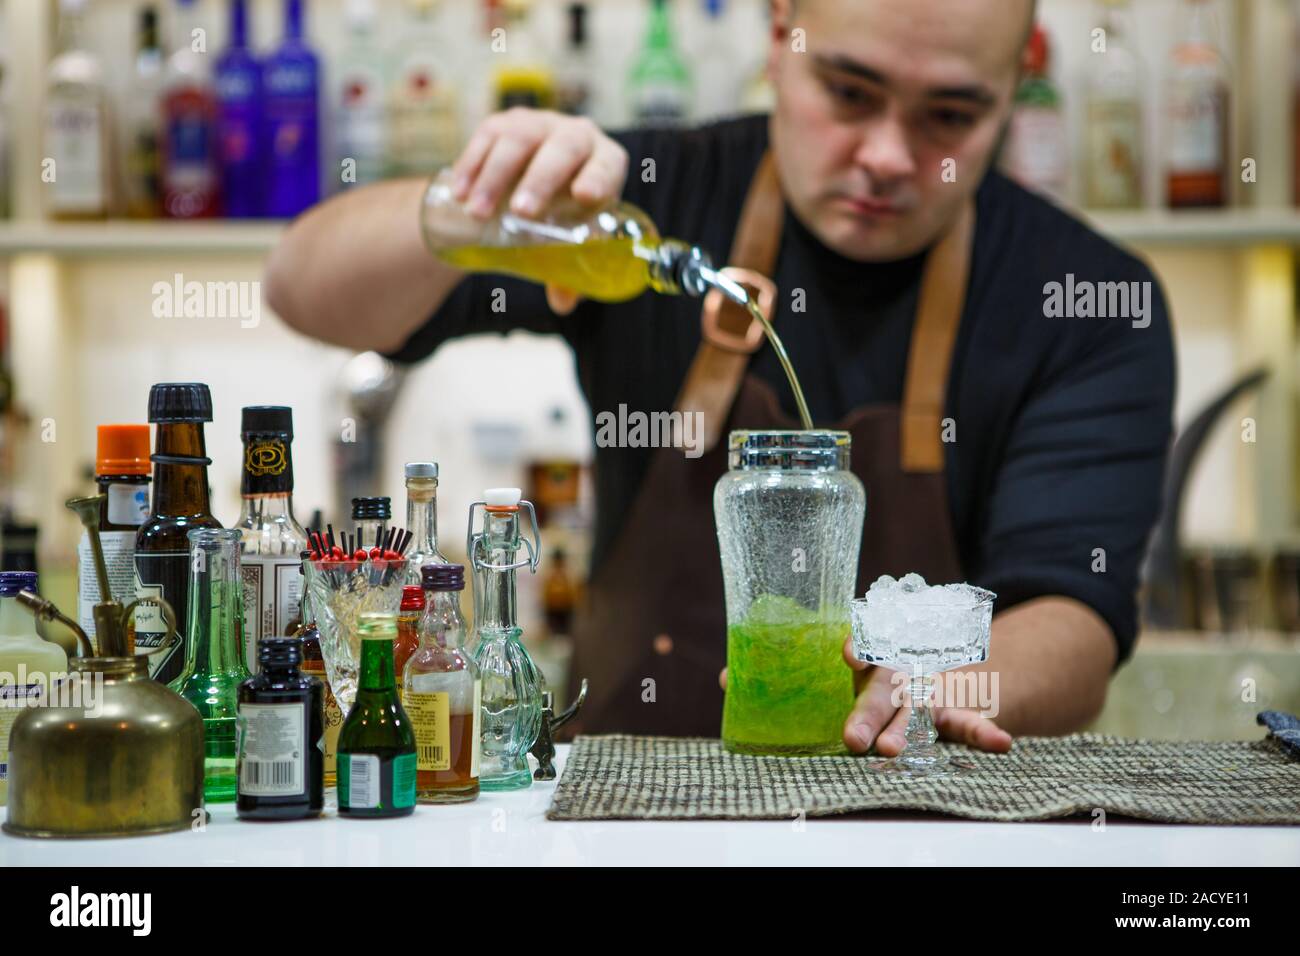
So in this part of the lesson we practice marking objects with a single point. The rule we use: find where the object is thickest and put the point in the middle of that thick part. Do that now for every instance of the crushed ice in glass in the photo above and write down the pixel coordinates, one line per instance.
(906, 624)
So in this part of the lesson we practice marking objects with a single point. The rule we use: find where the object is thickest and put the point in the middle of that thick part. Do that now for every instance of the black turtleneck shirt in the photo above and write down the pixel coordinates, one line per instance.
(1062, 422)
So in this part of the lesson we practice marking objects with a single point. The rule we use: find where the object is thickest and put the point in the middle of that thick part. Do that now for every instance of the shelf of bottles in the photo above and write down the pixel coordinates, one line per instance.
(179, 110)
(246, 110)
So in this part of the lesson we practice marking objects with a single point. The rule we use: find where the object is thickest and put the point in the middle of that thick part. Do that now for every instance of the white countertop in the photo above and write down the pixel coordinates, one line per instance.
(512, 829)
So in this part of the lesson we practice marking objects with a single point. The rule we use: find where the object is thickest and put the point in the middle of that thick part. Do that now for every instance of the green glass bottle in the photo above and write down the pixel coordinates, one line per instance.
(214, 654)
(376, 758)
(659, 84)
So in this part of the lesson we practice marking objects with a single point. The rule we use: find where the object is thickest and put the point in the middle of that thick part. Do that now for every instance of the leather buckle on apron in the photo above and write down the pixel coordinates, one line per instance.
(729, 340)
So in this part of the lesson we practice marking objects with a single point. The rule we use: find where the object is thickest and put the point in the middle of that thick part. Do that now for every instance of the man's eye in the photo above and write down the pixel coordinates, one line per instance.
(953, 119)
(847, 93)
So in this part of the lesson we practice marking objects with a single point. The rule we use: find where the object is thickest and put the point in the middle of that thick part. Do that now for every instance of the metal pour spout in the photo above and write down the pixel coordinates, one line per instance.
(111, 618)
(46, 611)
(88, 510)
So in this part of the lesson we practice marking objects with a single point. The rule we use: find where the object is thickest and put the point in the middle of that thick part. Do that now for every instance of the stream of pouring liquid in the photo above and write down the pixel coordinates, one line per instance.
(734, 291)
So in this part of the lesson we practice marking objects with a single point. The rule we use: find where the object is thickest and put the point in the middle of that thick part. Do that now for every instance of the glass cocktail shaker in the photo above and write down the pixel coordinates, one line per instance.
(789, 515)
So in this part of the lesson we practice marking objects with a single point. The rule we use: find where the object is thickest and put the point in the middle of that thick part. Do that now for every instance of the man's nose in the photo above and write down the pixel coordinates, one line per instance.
(884, 152)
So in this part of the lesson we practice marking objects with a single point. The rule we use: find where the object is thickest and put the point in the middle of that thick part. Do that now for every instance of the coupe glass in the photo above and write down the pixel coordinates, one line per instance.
(923, 638)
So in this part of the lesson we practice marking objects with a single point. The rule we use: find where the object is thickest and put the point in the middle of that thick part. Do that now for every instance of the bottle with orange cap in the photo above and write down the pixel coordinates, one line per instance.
(122, 476)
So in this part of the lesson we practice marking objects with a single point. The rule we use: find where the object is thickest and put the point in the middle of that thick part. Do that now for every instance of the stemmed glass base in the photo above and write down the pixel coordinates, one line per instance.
(920, 758)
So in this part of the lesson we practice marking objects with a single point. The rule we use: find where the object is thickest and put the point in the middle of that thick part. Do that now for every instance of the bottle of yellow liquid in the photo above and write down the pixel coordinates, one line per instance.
(610, 253)
(29, 666)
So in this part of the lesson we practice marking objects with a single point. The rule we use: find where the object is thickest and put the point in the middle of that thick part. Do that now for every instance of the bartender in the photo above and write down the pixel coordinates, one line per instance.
(1000, 443)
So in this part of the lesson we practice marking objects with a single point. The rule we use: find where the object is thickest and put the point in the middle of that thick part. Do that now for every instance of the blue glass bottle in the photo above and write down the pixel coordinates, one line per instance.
(292, 118)
(239, 82)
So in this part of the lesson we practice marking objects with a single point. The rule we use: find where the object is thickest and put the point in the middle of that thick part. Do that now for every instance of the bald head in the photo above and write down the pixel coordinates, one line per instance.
(889, 112)
(1017, 16)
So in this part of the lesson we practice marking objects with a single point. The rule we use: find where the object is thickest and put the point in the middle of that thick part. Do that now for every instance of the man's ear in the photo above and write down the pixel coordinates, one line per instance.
(782, 14)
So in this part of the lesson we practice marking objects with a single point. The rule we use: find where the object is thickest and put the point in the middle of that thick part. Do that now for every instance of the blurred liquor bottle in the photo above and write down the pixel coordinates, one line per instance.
(659, 85)
(5, 140)
(292, 118)
(141, 189)
(1295, 103)
(1036, 152)
(757, 94)
(715, 56)
(1197, 107)
(576, 70)
(239, 123)
(359, 101)
(191, 172)
(76, 172)
(1113, 132)
(521, 76)
(424, 112)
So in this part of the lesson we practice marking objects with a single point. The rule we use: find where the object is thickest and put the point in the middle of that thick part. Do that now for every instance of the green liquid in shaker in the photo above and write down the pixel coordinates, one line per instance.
(788, 688)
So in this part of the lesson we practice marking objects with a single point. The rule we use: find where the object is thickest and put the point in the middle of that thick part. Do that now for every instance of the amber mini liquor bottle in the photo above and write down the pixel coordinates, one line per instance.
(376, 766)
(443, 693)
(281, 769)
(180, 504)
(408, 632)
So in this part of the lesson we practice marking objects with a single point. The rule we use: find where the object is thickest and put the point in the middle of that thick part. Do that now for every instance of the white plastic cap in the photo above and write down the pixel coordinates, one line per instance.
(502, 497)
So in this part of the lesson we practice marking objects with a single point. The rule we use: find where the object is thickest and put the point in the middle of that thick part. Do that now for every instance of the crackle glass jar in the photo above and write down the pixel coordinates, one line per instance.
(789, 515)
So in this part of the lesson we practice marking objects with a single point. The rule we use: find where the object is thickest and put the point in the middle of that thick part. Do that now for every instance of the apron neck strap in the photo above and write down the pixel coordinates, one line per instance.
(934, 333)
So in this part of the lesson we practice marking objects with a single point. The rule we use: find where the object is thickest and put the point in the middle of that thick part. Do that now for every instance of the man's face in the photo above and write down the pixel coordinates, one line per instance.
(885, 96)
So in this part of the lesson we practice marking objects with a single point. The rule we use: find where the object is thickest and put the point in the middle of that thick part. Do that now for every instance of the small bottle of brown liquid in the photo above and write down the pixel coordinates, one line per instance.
(442, 693)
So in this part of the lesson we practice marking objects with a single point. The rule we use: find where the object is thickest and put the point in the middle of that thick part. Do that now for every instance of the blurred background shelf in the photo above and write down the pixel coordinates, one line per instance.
(1217, 229)
(115, 238)
(1209, 229)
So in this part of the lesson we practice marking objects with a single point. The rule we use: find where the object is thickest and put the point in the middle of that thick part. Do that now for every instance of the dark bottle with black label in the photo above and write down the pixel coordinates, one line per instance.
(281, 764)
(180, 504)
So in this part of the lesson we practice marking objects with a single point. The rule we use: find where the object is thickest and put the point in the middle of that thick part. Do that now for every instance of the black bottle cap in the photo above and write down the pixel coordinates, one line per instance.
(176, 402)
(267, 420)
(279, 650)
(366, 509)
(443, 577)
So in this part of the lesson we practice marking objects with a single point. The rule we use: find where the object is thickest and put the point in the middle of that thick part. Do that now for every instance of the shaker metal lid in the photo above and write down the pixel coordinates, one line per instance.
(421, 469)
(817, 450)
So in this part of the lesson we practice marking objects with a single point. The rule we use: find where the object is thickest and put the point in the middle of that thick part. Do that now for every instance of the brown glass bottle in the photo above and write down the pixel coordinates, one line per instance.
(180, 504)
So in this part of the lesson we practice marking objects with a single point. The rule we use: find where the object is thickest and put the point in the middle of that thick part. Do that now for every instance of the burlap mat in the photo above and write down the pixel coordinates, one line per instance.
(620, 777)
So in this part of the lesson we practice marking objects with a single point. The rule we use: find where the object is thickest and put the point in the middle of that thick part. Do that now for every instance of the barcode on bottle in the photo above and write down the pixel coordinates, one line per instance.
(431, 754)
(269, 777)
(363, 781)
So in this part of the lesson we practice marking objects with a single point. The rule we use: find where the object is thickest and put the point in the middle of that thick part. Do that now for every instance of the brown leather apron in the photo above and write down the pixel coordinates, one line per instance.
(651, 637)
